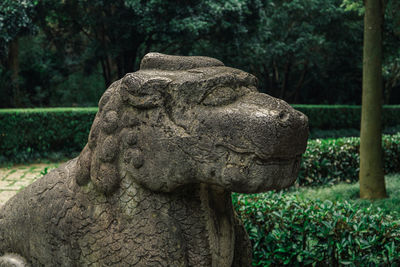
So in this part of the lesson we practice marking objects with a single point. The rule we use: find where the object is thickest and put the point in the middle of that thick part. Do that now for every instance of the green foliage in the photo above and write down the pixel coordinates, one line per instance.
(299, 46)
(78, 89)
(333, 121)
(15, 20)
(32, 134)
(78, 40)
(318, 133)
(331, 161)
(49, 78)
(44, 171)
(351, 192)
(334, 117)
(301, 51)
(116, 34)
(42, 68)
(354, 5)
(285, 230)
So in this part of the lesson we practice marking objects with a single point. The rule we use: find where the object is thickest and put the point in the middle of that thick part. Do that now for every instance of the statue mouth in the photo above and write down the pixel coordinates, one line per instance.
(276, 160)
(249, 172)
(236, 154)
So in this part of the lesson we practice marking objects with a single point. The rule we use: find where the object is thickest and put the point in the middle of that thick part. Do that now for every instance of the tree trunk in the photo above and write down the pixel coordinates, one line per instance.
(372, 181)
(13, 66)
(285, 81)
(106, 71)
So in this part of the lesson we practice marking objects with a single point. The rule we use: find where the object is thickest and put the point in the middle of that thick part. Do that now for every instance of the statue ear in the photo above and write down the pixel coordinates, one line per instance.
(143, 92)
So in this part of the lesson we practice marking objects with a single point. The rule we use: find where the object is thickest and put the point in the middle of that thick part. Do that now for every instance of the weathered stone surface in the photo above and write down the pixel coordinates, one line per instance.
(152, 187)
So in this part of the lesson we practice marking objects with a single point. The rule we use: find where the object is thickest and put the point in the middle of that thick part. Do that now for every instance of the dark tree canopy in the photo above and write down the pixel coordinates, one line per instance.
(301, 51)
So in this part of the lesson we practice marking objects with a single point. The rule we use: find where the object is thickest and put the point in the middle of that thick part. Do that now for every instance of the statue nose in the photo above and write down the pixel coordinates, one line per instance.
(259, 123)
(280, 133)
(287, 118)
(283, 116)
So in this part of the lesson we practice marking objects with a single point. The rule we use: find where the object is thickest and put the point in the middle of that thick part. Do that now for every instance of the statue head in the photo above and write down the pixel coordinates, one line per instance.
(181, 121)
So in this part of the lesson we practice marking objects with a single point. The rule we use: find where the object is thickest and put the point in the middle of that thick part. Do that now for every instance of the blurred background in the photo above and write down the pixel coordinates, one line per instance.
(65, 53)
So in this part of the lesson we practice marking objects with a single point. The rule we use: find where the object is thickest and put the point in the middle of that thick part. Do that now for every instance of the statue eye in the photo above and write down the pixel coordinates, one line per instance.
(220, 96)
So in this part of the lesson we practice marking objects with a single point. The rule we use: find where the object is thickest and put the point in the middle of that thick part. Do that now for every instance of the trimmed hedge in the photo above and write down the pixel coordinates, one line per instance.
(338, 133)
(331, 161)
(285, 230)
(334, 117)
(28, 134)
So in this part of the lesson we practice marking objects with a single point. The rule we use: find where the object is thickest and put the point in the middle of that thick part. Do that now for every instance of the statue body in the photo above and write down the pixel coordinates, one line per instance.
(152, 187)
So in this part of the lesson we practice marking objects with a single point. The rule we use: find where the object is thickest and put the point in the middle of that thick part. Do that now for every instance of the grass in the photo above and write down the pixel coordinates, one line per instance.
(350, 192)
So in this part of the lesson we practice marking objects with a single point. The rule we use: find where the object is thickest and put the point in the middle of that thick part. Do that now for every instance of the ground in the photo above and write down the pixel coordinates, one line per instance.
(15, 178)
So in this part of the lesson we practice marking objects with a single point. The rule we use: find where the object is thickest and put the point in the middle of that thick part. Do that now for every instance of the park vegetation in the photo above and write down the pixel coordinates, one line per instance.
(65, 53)
(286, 229)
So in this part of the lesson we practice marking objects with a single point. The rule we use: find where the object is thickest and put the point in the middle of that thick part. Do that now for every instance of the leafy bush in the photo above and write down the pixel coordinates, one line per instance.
(287, 231)
(331, 161)
(34, 133)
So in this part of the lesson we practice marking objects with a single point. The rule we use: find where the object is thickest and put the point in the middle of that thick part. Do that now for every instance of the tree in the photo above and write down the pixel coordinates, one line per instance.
(391, 39)
(372, 181)
(15, 21)
(301, 51)
(116, 34)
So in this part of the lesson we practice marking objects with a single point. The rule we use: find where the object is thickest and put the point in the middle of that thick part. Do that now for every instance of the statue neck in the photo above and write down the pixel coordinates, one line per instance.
(219, 214)
(203, 214)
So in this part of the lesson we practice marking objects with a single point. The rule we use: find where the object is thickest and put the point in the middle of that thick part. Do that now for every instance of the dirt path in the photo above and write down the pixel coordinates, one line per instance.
(13, 179)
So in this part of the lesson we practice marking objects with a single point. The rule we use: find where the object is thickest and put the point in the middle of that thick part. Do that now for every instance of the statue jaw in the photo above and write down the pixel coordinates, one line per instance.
(246, 171)
(254, 174)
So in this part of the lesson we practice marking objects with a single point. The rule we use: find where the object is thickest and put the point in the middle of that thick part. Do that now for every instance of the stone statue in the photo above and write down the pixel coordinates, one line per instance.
(153, 185)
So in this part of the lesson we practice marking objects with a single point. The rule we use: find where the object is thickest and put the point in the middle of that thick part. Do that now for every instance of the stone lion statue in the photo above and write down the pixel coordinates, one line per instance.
(153, 185)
